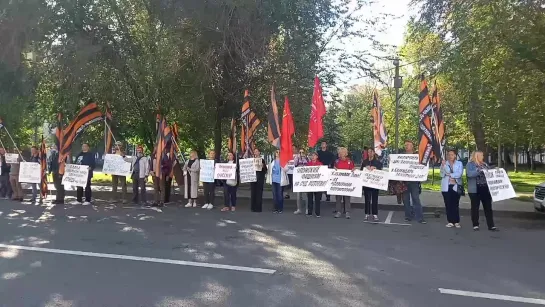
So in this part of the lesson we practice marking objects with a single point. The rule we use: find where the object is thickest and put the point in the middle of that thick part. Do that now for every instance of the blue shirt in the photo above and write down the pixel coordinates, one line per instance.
(276, 172)
(448, 172)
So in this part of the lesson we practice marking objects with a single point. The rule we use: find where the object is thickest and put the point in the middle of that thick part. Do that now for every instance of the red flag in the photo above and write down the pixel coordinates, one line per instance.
(316, 125)
(286, 144)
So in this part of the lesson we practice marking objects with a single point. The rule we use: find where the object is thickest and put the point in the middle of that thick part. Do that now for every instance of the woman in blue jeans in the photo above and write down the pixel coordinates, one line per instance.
(276, 180)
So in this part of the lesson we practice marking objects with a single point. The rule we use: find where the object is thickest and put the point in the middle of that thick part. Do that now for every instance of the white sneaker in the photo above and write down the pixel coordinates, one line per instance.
(205, 206)
(188, 205)
(457, 225)
(450, 225)
(297, 211)
(210, 206)
(195, 205)
(75, 202)
(86, 203)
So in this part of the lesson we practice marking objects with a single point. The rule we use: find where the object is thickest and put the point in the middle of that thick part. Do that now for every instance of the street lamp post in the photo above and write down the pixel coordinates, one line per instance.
(398, 83)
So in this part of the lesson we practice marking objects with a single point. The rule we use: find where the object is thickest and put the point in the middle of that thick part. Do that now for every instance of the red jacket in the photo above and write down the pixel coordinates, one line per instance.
(344, 164)
(317, 163)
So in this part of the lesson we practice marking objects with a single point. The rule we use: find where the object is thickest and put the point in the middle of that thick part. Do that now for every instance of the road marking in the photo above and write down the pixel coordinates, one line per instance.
(383, 223)
(517, 299)
(135, 258)
(389, 217)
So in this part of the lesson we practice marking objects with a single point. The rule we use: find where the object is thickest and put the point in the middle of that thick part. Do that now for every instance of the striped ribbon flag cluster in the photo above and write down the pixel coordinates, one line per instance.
(380, 135)
(250, 122)
(431, 128)
(89, 114)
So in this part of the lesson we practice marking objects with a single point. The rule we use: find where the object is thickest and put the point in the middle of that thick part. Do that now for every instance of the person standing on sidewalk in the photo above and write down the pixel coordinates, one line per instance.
(191, 171)
(116, 180)
(230, 187)
(16, 187)
(35, 158)
(371, 195)
(139, 175)
(53, 166)
(327, 158)
(412, 193)
(478, 191)
(5, 168)
(85, 158)
(256, 188)
(209, 187)
(451, 180)
(289, 172)
(343, 202)
(299, 160)
(277, 172)
(314, 197)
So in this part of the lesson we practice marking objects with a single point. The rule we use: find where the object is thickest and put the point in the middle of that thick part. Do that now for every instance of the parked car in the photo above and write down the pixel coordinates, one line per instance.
(539, 198)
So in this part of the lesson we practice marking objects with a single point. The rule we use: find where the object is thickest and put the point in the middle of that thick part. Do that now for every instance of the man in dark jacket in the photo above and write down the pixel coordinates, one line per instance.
(86, 158)
(327, 158)
(5, 168)
(53, 166)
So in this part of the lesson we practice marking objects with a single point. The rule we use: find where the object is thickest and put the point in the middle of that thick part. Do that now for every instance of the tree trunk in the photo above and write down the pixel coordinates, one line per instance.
(515, 158)
(499, 155)
(217, 129)
(532, 156)
(476, 124)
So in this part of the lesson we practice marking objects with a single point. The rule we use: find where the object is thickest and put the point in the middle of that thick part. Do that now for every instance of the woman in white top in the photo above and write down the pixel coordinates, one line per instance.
(451, 185)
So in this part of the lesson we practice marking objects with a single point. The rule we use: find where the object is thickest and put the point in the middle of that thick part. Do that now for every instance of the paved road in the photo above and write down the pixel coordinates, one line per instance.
(274, 260)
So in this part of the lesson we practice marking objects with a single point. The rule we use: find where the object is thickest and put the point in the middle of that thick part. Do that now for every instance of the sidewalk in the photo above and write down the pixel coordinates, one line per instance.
(432, 201)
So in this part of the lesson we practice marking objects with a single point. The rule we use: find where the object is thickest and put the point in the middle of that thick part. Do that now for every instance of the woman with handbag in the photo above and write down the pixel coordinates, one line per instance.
(452, 187)
(477, 188)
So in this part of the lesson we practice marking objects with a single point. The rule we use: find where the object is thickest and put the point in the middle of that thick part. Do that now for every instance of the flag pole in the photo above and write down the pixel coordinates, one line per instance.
(21, 155)
(110, 130)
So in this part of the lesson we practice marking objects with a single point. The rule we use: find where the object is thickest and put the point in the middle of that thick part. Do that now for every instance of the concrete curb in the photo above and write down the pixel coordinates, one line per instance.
(292, 204)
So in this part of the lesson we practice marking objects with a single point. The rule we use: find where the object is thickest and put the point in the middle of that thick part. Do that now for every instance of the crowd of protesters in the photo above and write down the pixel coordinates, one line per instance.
(280, 178)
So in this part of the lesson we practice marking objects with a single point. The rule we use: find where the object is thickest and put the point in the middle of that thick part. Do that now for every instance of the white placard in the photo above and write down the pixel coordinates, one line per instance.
(75, 175)
(499, 185)
(247, 170)
(258, 164)
(289, 167)
(12, 158)
(116, 165)
(376, 179)
(345, 183)
(407, 168)
(224, 171)
(206, 174)
(30, 172)
(310, 178)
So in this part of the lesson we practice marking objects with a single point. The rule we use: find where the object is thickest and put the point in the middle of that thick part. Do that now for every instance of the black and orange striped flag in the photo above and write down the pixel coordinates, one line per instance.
(171, 143)
(425, 132)
(250, 122)
(43, 168)
(108, 133)
(438, 125)
(89, 114)
(380, 134)
(232, 142)
(163, 144)
(273, 128)
(58, 142)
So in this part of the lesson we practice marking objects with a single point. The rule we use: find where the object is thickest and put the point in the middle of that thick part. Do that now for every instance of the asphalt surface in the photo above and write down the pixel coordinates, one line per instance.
(316, 262)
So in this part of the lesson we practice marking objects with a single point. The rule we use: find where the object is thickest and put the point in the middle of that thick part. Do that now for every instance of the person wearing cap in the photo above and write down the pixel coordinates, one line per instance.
(139, 176)
(119, 179)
